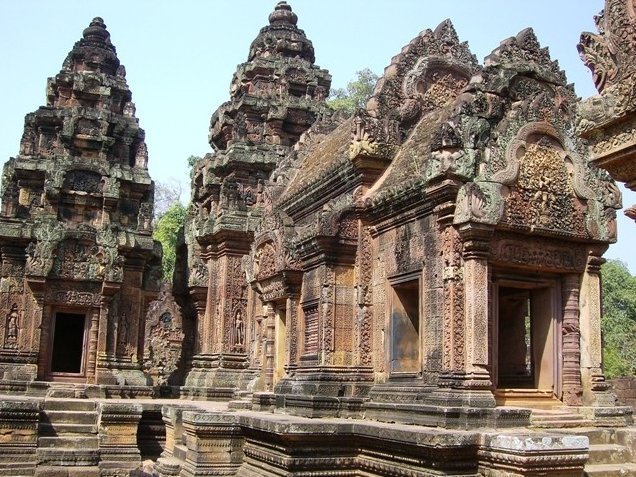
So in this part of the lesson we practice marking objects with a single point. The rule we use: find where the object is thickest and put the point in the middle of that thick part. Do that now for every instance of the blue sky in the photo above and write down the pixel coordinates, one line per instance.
(180, 56)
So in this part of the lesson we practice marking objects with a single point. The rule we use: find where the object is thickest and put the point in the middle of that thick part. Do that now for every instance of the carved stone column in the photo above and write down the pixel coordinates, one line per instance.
(91, 360)
(117, 429)
(106, 337)
(41, 344)
(270, 330)
(571, 351)
(595, 388)
(220, 364)
(292, 304)
(199, 300)
(46, 338)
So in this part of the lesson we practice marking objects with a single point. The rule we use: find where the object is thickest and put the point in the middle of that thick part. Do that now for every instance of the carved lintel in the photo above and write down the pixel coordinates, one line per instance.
(285, 284)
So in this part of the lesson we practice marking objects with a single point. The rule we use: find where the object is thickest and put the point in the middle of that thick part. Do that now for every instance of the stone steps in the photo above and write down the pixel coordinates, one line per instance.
(608, 454)
(50, 429)
(599, 435)
(75, 441)
(67, 438)
(70, 417)
(69, 405)
(544, 418)
(240, 404)
(610, 470)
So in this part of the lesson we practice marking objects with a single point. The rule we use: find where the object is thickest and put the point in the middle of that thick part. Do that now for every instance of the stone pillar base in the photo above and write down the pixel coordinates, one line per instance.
(464, 390)
(218, 376)
(118, 423)
(214, 444)
(18, 437)
(323, 391)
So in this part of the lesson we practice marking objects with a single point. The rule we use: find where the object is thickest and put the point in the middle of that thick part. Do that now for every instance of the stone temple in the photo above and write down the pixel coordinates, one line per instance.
(411, 290)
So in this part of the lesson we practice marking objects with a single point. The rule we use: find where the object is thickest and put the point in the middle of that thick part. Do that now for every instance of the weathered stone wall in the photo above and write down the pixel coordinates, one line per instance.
(625, 390)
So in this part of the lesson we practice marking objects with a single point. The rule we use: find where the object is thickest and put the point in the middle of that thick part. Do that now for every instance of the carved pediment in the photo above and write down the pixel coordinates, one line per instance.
(544, 187)
(428, 74)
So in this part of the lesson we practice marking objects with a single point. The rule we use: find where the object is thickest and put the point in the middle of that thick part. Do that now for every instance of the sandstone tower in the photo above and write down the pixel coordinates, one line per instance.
(78, 261)
(274, 97)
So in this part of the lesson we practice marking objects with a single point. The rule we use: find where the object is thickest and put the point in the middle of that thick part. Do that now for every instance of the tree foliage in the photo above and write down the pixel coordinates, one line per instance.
(192, 160)
(167, 232)
(356, 94)
(619, 319)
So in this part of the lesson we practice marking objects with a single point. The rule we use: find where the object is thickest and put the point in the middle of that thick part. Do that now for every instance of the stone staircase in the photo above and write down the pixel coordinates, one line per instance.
(612, 452)
(67, 439)
(242, 400)
(558, 418)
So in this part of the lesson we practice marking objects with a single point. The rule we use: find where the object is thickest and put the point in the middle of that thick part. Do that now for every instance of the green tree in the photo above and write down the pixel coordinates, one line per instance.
(167, 232)
(356, 94)
(192, 160)
(619, 319)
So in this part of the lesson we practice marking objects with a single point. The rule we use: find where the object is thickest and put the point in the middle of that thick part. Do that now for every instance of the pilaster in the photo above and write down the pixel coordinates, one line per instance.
(571, 351)
(596, 391)
(471, 384)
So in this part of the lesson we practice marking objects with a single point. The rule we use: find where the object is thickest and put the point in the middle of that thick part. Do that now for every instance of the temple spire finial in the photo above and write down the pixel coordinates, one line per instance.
(96, 31)
(283, 14)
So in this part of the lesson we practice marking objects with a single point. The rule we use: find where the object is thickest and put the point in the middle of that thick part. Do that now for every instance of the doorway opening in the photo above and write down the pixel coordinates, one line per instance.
(527, 347)
(405, 328)
(68, 343)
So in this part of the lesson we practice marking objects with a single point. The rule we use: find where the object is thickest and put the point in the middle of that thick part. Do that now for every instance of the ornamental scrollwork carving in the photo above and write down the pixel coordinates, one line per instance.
(480, 202)
(41, 253)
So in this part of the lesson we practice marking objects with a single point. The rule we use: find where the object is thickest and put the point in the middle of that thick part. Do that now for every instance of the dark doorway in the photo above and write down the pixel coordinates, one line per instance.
(405, 328)
(68, 343)
(515, 360)
(527, 338)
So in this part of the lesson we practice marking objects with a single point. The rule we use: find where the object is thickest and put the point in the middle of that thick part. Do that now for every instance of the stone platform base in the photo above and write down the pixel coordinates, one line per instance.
(250, 444)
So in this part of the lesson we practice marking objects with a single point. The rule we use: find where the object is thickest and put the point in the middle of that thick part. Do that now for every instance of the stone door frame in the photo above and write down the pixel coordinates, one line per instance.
(538, 282)
(63, 376)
